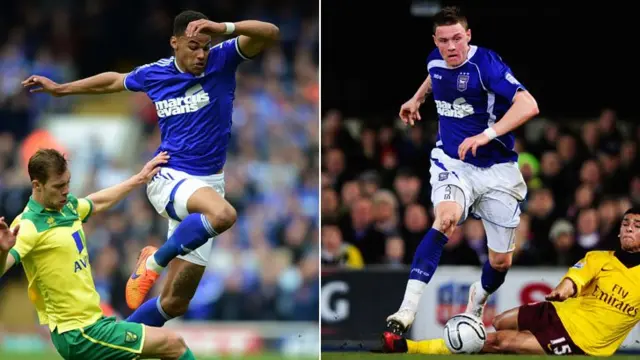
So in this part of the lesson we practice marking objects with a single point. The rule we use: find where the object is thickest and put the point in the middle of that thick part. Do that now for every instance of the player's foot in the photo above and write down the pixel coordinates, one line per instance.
(399, 322)
(142, 279)
(393, 343)
(478, 297)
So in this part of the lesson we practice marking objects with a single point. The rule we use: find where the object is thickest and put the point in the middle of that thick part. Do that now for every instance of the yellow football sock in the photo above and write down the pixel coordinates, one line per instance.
(427, 347)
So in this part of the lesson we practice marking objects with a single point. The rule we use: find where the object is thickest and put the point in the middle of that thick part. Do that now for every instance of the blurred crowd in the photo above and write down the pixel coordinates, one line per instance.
(376, 206)
(266, 266)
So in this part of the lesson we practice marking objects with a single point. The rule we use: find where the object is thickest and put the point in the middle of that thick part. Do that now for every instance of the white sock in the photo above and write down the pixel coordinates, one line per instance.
(481, 296)
(412, 295)
(153, 265)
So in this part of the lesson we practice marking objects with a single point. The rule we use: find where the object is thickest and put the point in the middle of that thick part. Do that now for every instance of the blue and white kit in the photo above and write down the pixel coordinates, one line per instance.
(469, 98)
(194, 116)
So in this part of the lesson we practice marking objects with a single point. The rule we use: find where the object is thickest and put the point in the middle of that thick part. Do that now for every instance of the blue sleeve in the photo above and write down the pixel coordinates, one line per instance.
(433, 55)
(228, 54)
(134, 81)
(499, 78)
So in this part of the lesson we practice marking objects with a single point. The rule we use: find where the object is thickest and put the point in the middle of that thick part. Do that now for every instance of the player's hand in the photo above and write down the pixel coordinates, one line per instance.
(564, 290)
(204, 26)
(472, 143)
(151, 168)
(556, 295)
(410, 111)
(37, 83)
(7, 236)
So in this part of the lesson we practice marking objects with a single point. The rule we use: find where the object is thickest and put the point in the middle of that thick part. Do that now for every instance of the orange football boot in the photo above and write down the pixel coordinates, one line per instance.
(142, 279)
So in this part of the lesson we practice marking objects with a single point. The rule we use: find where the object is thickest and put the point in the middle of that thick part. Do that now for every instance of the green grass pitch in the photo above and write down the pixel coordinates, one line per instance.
(54, 356)
(372, 356)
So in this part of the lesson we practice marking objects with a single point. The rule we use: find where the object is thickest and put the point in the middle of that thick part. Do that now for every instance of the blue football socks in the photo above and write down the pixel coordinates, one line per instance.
(150, 313)
(427, 256)
(425, 263)
(192, 233)
(491, 278)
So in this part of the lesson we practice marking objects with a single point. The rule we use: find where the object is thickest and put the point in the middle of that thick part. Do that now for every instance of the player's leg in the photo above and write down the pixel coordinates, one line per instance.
(202, 213)
(541, 320)
(520, 330)
(500, 215)
(394, 343)
(507, 338)
(507, 320)
(208, 214)
(503, 341)
(120, 340)
(183, 277)
(494, 273)
(164, 344)
(512, 342)
(426, 259)
(450, 198)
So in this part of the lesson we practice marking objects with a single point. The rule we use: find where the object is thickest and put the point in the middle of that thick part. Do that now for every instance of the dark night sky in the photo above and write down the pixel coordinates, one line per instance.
(574, 60)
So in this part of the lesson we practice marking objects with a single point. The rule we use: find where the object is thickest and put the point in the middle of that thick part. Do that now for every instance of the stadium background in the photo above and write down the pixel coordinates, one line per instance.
(260, 292)
(579, 157)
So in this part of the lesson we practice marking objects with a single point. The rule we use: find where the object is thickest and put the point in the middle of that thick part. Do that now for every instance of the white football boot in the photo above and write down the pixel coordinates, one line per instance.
(478, 297)
(400, 322)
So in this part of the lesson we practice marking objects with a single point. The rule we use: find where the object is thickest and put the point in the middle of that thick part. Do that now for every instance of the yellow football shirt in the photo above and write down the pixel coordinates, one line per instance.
(605, 309)
(52, 248)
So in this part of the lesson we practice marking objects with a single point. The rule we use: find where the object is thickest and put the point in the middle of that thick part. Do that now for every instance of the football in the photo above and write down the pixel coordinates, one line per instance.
(464, 334)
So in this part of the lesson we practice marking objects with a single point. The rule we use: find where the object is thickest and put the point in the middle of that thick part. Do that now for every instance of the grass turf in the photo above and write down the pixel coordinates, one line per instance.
(372, 356)
(54, 356)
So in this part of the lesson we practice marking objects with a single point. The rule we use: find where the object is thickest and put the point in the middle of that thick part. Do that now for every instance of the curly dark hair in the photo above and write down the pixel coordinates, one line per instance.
(182, 20)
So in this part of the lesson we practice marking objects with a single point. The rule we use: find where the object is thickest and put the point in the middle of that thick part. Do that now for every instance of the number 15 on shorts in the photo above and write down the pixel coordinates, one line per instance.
(560, 346)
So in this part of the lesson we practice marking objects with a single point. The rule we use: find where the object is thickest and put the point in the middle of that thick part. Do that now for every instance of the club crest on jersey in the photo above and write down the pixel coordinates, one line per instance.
(194, 99)
(463, 81)
(130, 337)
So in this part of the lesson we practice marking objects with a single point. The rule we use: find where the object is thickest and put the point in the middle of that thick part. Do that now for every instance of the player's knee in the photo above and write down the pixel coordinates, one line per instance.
(174, 306)
(502, 342)
(501, 262)
(176, 345)
(222, 217)
(446, 222)
(447, 217)
(498, 322)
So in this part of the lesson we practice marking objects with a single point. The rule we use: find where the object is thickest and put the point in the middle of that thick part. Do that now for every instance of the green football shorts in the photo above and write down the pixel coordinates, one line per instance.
(105, 339)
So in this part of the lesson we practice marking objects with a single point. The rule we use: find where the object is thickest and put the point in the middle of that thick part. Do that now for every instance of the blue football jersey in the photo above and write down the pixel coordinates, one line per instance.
(471, 97)
(194, 112)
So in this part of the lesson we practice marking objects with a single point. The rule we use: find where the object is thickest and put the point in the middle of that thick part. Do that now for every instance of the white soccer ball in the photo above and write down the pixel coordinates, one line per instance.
(464, 334)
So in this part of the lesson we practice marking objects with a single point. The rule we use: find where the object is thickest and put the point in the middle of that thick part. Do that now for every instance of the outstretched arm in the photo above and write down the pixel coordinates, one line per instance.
(107, 198)
(577, 277)
(104, 83)
(566, 289)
